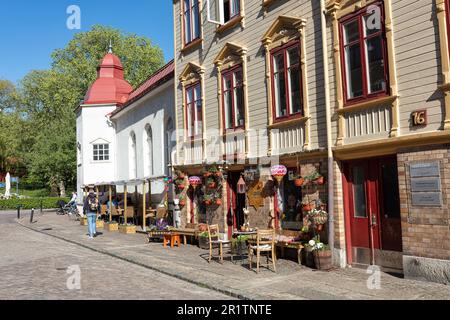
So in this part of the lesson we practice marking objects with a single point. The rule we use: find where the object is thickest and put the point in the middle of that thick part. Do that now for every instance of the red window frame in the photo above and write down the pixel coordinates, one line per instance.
(359, 15)
(284, 50)
(225, 75)
(193, 105)
(190, 12)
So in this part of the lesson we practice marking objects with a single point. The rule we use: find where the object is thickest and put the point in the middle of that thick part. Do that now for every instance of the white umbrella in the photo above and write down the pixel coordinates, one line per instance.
(8, 186)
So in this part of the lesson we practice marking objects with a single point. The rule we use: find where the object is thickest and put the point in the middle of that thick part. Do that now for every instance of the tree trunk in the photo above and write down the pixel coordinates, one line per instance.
(62, 189)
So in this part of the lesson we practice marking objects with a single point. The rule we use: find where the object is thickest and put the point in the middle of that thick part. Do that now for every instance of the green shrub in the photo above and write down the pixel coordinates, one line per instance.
(27, 204)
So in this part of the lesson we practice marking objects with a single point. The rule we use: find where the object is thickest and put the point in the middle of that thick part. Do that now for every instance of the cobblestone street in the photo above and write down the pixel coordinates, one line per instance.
(34, 266)
(117, 266)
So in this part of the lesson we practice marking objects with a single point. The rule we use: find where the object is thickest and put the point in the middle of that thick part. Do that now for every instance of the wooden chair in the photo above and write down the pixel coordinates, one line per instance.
(265, 242)
(214, 239)
(129, 213)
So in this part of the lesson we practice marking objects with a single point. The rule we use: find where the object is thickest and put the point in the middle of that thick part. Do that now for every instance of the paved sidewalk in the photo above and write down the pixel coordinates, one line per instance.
(189, 263)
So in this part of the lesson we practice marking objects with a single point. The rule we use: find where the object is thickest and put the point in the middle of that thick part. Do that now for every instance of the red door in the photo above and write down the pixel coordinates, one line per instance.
(372, 210)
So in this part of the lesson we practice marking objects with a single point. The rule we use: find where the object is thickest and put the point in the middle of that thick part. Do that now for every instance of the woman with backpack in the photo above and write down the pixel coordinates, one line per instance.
(91, 208)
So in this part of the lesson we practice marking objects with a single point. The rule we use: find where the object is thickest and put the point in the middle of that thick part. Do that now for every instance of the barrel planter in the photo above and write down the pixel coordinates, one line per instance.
(203, 243)
(322, 259)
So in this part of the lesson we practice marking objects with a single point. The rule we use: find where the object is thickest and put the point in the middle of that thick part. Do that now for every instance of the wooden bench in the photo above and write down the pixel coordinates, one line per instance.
(290, 245)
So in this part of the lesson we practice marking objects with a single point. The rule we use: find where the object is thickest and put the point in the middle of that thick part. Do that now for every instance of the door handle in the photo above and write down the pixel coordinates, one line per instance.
(374, 220)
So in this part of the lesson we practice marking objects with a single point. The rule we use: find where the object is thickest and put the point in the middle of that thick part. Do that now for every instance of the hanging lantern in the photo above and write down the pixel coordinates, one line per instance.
(241, 186)
(278, 172)
(195, 181)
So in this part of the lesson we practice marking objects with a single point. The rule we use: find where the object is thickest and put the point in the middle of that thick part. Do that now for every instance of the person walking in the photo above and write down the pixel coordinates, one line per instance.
(91, 208)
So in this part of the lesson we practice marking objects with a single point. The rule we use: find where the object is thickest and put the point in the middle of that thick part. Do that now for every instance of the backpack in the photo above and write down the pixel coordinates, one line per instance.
(93, 204)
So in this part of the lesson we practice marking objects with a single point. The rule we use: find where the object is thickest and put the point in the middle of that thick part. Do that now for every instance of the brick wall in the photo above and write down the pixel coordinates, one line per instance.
(425, 231)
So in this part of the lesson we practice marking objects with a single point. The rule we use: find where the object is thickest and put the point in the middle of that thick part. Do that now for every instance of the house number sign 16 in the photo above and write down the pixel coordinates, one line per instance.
(419, 118)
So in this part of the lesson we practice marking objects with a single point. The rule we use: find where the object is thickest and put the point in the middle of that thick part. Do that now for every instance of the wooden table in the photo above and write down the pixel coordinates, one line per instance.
(185, 232)
(172, 238)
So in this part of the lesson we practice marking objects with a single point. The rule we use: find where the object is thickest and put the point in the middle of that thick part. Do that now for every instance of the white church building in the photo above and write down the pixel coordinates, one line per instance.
(124, 135)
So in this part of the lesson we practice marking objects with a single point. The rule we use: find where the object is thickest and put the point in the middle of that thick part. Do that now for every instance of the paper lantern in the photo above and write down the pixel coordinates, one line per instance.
(195, 181)
(278, 172)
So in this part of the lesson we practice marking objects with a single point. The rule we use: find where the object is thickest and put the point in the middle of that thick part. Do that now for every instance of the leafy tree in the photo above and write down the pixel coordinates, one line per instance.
(48, 98)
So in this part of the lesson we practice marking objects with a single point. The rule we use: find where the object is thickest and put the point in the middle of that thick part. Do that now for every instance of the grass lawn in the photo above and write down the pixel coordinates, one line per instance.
(39, 193)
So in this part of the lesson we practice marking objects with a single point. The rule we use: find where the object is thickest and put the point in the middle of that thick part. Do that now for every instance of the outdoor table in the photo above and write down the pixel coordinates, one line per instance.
(242, 233)
(185, 232)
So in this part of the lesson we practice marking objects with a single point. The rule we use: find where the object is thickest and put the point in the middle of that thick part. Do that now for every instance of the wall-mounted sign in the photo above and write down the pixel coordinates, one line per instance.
(255, 197)
(426, 189)
(424, 169)
(419, 118)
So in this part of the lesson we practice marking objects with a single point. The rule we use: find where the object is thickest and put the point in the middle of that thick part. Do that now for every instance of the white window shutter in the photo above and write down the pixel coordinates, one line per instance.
(215, 9)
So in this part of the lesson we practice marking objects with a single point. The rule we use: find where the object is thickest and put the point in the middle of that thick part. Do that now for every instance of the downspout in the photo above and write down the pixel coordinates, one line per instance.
(329, 132)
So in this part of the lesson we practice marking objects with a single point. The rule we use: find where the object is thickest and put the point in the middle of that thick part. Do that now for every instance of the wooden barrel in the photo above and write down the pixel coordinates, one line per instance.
(322, 260)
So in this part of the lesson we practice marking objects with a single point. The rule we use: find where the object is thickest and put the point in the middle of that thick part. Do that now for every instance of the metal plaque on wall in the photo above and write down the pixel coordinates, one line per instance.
(426, 189)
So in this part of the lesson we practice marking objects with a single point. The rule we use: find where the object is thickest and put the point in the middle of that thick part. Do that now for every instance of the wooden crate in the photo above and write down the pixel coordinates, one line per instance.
(127, 229)
(99, 224)
(112, 226)
(84, 221)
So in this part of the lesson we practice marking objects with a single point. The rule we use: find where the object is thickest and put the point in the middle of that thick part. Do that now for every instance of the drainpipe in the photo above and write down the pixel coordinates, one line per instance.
(329, 132)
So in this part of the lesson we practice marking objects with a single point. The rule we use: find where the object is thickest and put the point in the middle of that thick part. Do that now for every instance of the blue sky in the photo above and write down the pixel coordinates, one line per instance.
(31, 29)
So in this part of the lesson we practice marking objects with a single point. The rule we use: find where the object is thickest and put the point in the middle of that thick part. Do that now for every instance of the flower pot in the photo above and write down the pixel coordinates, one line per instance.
(127, 229)
(307, 207)
(181, 186)
(309, 259)
(219, 202)
(299, 182)
(219, 174)
(203, 243)
(319, 227)
(320, 181)
(111, 226)
(322, 259)
(207, 174)
(212, 185)
(99, 224)
(182, 203)
(208, 202)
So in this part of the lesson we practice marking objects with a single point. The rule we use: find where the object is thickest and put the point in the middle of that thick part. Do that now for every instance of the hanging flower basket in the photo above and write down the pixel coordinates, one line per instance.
(219, 202)
(299, 182)
(307, 207)
(320, 181)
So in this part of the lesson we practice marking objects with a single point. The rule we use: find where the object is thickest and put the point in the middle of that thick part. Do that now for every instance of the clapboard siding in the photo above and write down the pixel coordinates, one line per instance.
(256, 24)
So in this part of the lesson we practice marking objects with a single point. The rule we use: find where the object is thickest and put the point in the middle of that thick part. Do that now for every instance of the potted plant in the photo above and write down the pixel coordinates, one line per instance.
(83, 221)
(239, 244)
(319, 217)
(299, 181)
(321, 254)
(182, 201)
(203, 240)
(112, 226)
(99, 224)
(307, 207)
(218, 201)
(128, 228)
(207, 199)
(211, 183)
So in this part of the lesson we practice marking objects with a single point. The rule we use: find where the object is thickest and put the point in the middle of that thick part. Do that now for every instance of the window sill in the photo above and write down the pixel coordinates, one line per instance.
(230, 24)
(232, 132)
(445, 87)
(268, 3)
(192, 45)
(288, 122)
(367, 104)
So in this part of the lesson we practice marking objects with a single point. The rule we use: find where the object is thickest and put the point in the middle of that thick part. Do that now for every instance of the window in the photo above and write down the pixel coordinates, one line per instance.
(364, 55)
(101, 152)
(194, 116)
(148, 151)
(359, 193)
(231, 9)
(132, 156)
(286, 81)
(290, 203)
(191, 20)
(233, 99)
